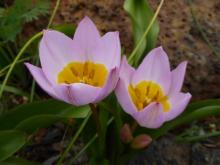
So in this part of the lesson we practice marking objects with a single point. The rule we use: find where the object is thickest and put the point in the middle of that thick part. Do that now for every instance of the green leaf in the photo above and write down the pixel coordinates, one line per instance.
(34, 115)
(141, 15)
(202, 103)
(198, 137)
(68, 29)
(20, 12)
(28, 118)
(2, 12)
(15, 90)
(37, 8)
(10, 142)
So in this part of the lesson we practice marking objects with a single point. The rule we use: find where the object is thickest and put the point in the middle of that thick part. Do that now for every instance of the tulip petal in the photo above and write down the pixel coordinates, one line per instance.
(177, 78)
(121, 89)
(109, 50)
(87, 37)
(123, 97)
(178, 103)
(56, 51)
(64, 92)
(40, 78)
(109, 86)
(126, 71)
(155, 67)
(82, 94)
(151, 116)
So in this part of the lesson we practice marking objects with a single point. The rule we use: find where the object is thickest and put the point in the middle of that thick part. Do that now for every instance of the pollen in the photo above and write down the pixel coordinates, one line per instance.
(90, 73)
(146, 92)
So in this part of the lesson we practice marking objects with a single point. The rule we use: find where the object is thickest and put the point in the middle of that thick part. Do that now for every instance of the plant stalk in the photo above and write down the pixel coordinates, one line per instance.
(73, 139)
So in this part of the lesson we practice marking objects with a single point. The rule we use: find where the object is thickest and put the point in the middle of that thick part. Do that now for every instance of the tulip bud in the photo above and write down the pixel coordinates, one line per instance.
(126, 134)
(141, 141)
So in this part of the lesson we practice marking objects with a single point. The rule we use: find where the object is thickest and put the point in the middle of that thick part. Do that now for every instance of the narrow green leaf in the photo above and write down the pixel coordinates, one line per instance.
(33, 123)
(198, 137)
(141, 15)
(46, 109)
(15, 90)
(10, 142)
(202, 103)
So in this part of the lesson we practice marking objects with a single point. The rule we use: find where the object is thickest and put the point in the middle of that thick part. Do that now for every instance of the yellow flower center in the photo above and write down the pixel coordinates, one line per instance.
(88, 73)
(146, 92)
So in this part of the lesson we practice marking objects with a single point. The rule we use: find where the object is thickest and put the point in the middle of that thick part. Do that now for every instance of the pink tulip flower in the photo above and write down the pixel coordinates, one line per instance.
(151, 93)
(81, 70)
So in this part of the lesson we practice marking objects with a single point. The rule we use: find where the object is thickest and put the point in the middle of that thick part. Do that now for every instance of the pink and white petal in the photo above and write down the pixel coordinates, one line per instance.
(151, 116)
(155, 67)
(123, 97)
(108, 51)
(87, 37)
(64, 93)
(109, 86)
(56, 51)
(41, 80)
(177, 77)
(126, 71)
(178, 102)
(82, 94)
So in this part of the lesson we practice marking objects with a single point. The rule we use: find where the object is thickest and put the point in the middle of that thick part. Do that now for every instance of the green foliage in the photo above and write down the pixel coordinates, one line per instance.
(194, 138)
(15, 91)
(2, 11)
(16, 124)
(10, 142)
(68, 29)
(22, 11)
(141, 15)
(27, 113)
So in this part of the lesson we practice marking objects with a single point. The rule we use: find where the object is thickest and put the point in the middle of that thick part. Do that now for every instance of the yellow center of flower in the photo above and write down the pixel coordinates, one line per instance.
(146, 92)
(88, 73)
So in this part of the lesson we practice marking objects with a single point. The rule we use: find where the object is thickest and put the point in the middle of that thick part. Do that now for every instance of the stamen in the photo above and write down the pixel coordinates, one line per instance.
(74, 71)
(91, 74)
(147, 92)
(87, 73)
(85, 69)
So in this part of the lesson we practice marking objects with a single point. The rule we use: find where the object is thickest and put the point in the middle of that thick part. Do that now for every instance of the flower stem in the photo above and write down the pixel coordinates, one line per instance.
(36, 36)
(145, 33)
(95, 115)
(134, 126)
(74, 139)
(88, 144)
(8, 66)
(53, 13)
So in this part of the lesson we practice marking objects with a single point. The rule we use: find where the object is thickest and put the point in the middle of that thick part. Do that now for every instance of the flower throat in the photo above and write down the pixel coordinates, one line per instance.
(88, 73)
(146, 92)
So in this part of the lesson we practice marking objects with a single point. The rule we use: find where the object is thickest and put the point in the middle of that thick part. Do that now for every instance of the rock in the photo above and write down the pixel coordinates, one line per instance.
(164, 151)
